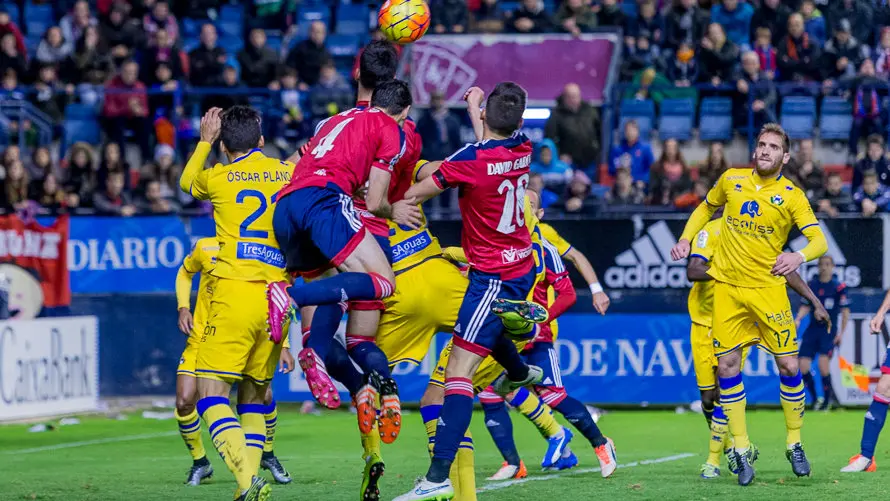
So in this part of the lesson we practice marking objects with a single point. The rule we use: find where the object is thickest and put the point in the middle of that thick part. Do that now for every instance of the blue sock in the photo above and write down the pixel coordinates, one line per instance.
(340, 368)
(325, 322)
(810, 383)
(575, 412)
(341, 287)
(504, 351)
(497, 420)
(874, 421)
(370, 358)
(457, 411)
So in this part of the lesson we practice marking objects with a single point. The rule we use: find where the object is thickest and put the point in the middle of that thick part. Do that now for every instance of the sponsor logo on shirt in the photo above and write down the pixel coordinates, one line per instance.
(411, 246)
(262, 253)
(509, 256)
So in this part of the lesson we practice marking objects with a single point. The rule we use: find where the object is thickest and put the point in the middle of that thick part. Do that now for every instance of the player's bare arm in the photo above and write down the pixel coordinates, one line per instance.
(699, 218)
(697, 270)
(427, 170)
(211, 125)
(424, 190)
(183, 291)
(285, 361)
(600, 299)
(799, 286)
(404, 212)
(877, 321)
(474, 98)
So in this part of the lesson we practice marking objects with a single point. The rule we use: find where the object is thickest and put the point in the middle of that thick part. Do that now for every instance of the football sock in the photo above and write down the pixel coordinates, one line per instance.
(734, 400)
(497, 420)
(874, 421)
(504, 352)
(719, 430)
(827, 389)
(253, 422)
(271, 417)
(530, 406)
(708, 411)
(228, 437)
(371, 443)
(793, 399)
(340, 367)
(810, 383)
(466, 470)
(368, 356)
(190, 429)
(348, 286)
(430, 415)
(457, 411)
(325, 322)
(576, 413)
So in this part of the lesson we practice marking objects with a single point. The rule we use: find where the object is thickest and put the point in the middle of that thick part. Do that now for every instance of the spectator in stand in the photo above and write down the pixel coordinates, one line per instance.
(531, 17)
(872, 196)
(576, 17)
(161, 102)
(259, 64)
(310, 55)
(51, 96)
(686, 23)
(15, 186)
(881, 54)
(766, 53)
(735, 17)
(9, 89)
(834, 199)
(489, 18)
(439, 128)
(875, 159)
(843, 53)
(449, 16)
(292, 123)
(682, 69)
(160, 18)
(152, 202)
(10, 57)
(798, 56)
(50, 194)
(866, 104)
(692, 199)
(575, 127)
(331, 94)
(53, 49)
(161, 51)
(577, 196)
(75, 23)
(715, 164)
(670, 175)
(208, 61)
(113, 161)
(632, 153)
(648, 21)
(234, 93)
(718, 56)
(754, 87)
(625, 191)
(113, 200)
(9, 27)
(773, 15)
(165, 170)
(271, 14)
(90, 62)
(610, 14)
(41, 163)
(122, 34)
(555, 173)
(814, 23)
(857, 12)
(804, 170)
(126, 108)
(640, 55)
(80, 177)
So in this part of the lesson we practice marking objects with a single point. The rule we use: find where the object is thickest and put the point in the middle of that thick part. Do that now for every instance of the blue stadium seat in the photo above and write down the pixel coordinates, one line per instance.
(231, 21)
(836, 119)
(629, 7)
(715, 123)
(798, 116)
(677, 119)
(341, 45)
(273, 41)
(642, 111)
(509, 6)
(15, 14)
(38, 18)
(81, 124)
(233, 45)
(191, 28)
(353, 19)
(314, 13)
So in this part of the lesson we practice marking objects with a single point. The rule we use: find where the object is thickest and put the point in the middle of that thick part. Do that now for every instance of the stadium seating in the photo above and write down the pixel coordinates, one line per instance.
(715, 123)
(231, 21)
(798, 116)
(341, 45)
(640, 110)
(677, 119)
(836, 118)
(81, 124)
(38, 18)
(14, 14)
(353, 19)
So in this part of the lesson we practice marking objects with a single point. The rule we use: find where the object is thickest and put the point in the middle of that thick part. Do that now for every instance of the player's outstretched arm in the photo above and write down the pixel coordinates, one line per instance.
(183, 299)
(798, 285)
(424, 190)
(474, 97)
(697, 270)
(878, 320)
(600, 299)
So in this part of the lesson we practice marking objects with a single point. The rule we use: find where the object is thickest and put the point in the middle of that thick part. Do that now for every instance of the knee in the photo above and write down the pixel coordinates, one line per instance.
(267, 398)
(729, 365)
(184, 406)
(433, 395)
(788, 366)
(708, 398)
(884, 386)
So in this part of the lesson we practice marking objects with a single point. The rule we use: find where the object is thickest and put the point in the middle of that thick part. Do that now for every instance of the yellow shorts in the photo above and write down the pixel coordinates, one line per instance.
(426, 301)
(488, 370)
(235, 343)
(703, 359)
(189, 355)
(746, 316)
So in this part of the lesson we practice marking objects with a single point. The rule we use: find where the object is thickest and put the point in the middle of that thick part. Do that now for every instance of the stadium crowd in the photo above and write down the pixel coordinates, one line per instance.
(145, 66)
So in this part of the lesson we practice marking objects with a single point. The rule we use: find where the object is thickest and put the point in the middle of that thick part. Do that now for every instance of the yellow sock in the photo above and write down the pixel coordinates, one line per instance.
(734, 401)
(536, 411)
(271, 417)
(371, 443)
(228, 437)
(253, 422)
(719, 432)
(430, 415)
(466, 470)
(190, 429)
(793, 398)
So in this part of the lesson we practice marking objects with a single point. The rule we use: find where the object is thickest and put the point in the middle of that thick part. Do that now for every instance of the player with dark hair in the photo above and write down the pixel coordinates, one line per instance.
(235, 345)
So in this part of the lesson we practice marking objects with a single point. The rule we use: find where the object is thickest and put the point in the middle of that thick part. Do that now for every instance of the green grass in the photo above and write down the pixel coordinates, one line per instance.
(323, 455)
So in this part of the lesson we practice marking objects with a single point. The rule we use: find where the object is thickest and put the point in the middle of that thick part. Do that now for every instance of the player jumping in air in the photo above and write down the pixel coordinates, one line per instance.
(877, 411)
(832, 293)
(751, 306)
(235, 345)
(202, 260)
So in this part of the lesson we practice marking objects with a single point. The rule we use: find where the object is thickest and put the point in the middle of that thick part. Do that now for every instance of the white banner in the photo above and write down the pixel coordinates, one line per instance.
(48, 367)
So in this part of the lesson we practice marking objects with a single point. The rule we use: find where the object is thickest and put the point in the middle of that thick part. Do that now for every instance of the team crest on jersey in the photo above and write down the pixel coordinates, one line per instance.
(777, 200)
(751, 208)
(738, 187)
(702, 240)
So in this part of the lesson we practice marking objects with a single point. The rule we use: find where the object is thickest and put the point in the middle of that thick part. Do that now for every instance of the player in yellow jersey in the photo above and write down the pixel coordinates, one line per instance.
(751, 306)
(201, 260)
(235, 345)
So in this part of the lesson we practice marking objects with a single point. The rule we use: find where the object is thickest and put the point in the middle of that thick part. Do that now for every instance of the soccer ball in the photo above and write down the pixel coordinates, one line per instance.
(404, 21)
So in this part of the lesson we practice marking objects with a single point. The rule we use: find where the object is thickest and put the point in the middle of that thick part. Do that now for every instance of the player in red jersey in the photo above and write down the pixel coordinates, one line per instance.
(492, 176)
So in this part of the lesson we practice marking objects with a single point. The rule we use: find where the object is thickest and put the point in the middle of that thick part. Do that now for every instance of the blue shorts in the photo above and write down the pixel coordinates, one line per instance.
(384, 244)
(816, 342)
(316, 228)
(544, 356)
(477, 328)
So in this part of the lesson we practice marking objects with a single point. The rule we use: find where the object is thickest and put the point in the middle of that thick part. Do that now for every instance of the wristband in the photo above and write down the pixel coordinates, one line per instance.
(595, 288)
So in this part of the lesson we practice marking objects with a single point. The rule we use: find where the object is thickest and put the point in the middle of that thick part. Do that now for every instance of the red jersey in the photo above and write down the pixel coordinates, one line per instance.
(557, 277)
(344, 150)
(492, 177)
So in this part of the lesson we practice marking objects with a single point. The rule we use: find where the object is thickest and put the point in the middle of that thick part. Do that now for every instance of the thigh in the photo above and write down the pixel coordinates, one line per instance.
(237, 313)
(405, 330)
(774, 319)
(477, 328)
(263, 356)
(300, 253)
(332, 224)
(383, 242)
(733, 325)
(885, 366)
(189, 356)
(703, 359)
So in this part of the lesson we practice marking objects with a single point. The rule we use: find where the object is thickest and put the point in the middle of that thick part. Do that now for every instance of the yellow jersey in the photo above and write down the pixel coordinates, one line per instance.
(701, 296)
(202, 259)
(555, 239)
(757, 217)
(243, 194)
(411, 247)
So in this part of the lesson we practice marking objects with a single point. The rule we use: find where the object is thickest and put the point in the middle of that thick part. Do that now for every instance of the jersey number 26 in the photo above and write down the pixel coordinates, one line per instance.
(514, 204)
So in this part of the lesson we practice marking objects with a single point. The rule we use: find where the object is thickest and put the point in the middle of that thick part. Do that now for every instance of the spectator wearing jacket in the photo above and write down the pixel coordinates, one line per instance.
(773, 15)
(126, 108)
(575, 128)
(857, 12)
(717, 57)
(755, 88)
(555, 173)
(735, 17)
(843, 53)
(685, 22)
(633, 154)
(799, 57)
(872, 196)
(814, 22)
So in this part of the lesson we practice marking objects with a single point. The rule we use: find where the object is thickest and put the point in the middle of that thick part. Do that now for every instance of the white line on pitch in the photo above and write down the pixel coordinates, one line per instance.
(71, 445)
(644, 462)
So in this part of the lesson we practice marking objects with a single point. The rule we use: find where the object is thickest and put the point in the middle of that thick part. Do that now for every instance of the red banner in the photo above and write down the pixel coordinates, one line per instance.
(40, 250)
